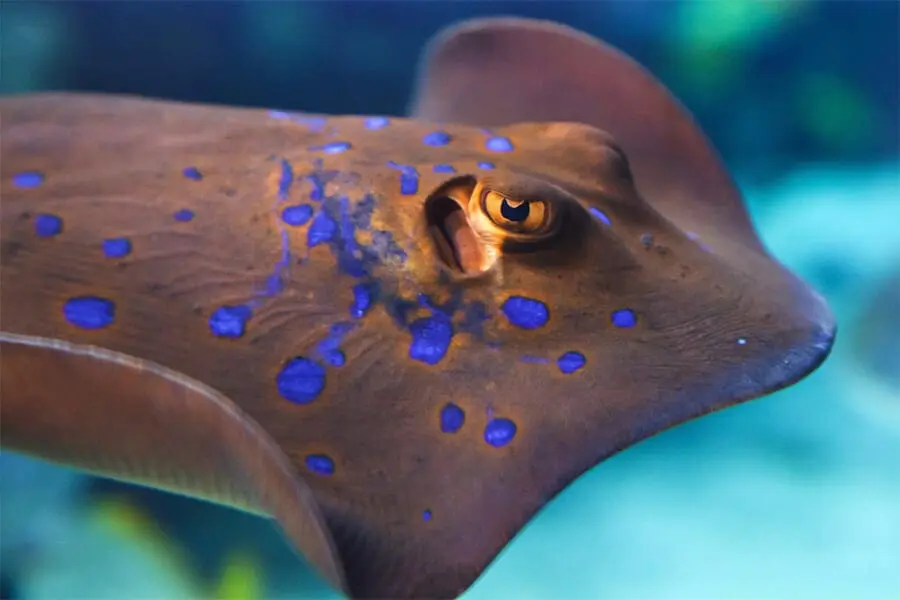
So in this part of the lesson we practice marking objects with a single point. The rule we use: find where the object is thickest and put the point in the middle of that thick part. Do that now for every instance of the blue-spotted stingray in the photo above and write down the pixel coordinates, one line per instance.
(397, 337)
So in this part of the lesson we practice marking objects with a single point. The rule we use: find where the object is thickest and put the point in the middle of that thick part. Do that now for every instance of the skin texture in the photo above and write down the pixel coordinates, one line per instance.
(602, 324)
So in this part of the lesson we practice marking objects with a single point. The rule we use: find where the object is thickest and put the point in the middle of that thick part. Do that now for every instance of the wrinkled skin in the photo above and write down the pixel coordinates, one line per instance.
(359, 459)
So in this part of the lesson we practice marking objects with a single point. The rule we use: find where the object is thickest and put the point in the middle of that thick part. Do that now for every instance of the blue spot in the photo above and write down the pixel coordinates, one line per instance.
(600, 215)
(409, 178)
(319, 179)
(409, 183)
(183, 215)
(332, 147)
(452, 418)
(430, 338)
(741, 341)
(328, 348)
(320, 463)
(444, 169)
(538, 360)
(363, 297)
(230, 321)
(301, 380)
(116, 247)
(286, 179)
(322, 230)
(89, 312)
(47, 225)
(571, 362)
(499, 432)
(426, 515)
(485, 165)
(274, 282)
(28, 179)
(297, 215)
(376, 122)
(279, 114)
(525, 312)
(193, 173)
(436, 138)
(624, 318)
(499, 144)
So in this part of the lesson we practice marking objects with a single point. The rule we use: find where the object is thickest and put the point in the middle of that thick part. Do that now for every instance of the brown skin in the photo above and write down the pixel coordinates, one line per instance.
(161, 401)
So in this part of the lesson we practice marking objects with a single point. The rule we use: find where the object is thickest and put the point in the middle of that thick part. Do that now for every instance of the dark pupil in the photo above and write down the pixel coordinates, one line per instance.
(514, 213)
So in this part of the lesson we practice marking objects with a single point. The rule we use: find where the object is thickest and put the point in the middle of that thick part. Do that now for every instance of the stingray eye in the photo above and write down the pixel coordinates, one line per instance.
(515, 215)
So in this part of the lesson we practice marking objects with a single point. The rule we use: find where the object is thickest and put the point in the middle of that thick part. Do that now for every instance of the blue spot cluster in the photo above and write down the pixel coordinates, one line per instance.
(192, 173)
(436, 138)
(184, 215)
(28, 179)
(320, 463)
(336, 224)
(230, 321)
(569, 362)
(375, 123)
(600, 215)
(432, 335)
(526, 313)
(297, 215)
(499, 432)
(409, 178)
(300, 380)
(90, 312)
(624, 317)
(46, 225)
(452, 418)
(499, 144)
(443, 169)
(116, 247)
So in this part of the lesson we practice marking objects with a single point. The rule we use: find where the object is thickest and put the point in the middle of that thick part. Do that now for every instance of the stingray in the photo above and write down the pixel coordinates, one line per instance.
(399, 338)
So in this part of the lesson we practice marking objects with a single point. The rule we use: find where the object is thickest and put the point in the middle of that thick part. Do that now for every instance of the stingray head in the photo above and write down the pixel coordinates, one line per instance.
(547, 316)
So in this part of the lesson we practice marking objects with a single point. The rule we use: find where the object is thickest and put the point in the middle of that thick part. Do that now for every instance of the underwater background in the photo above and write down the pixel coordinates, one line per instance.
(793, 496)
